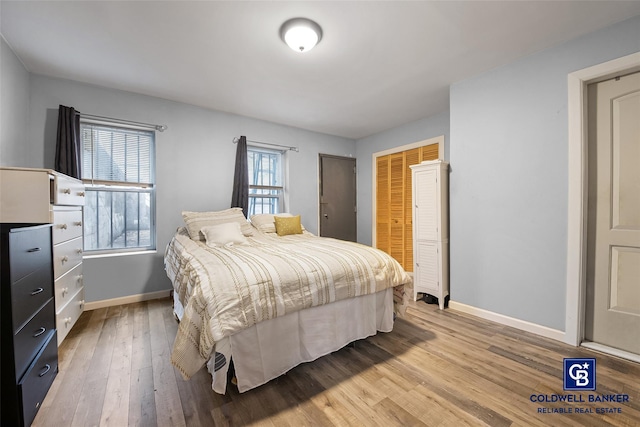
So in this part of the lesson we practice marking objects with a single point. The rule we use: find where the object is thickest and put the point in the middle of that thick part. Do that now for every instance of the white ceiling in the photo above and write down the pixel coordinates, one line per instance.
(379, 64)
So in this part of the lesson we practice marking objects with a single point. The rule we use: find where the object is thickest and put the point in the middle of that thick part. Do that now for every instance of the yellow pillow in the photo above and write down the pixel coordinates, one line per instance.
(286, 225)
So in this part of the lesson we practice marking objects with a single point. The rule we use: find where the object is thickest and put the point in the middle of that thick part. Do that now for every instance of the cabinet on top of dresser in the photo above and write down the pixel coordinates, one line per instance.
(46, 196)
(29, 357)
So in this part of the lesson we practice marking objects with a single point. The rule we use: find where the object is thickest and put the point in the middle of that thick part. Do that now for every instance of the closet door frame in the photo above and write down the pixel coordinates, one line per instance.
(436, 140)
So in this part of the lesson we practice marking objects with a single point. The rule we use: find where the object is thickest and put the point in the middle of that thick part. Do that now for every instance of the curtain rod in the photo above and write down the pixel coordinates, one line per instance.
(236, 139)
(160, 128)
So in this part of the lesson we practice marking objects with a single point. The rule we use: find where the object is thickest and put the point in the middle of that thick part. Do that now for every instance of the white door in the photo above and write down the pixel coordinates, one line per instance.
(613, 252)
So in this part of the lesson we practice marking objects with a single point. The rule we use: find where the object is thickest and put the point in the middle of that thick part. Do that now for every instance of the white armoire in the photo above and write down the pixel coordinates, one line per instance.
(430, 181)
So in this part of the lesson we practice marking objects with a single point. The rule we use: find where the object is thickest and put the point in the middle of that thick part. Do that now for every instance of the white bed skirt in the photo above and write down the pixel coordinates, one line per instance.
(270, 348)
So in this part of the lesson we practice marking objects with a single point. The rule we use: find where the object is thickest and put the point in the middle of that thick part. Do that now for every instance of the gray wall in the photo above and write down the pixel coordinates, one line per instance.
(508, 191)
(194, 167)
(14, 105)
(409, 133)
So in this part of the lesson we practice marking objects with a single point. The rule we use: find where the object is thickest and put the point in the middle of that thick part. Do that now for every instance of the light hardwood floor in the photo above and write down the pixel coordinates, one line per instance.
(435, 368)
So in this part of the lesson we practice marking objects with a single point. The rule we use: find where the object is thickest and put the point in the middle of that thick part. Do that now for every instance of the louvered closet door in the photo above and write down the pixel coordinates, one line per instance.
(412, 157)
(396, 207)
(394, 201)
(429, 152)
(382, 203)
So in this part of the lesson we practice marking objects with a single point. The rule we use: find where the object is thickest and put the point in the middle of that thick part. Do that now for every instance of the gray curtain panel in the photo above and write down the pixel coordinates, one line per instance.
(240, 194)
(68, 147)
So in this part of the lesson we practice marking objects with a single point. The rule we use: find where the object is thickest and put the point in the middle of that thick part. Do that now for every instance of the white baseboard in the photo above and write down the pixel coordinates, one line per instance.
(508, 321)
(94, 305)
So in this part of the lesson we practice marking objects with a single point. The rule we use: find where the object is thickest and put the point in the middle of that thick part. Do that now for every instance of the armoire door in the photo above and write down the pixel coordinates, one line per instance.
(426, 206)
(427, 281)
(613, 248)
(394, 229)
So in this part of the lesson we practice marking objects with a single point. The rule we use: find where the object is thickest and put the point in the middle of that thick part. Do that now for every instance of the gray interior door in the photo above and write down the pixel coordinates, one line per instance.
(612, 315)
(338, 197)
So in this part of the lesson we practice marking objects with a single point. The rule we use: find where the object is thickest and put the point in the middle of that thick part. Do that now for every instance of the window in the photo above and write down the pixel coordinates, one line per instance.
(266, 180)
(118, 172)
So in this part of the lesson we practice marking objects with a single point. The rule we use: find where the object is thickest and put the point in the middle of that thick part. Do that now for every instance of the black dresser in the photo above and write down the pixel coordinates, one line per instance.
(29, 352)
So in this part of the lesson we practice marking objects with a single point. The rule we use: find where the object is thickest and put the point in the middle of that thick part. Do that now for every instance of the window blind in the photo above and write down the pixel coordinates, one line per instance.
(117, 154)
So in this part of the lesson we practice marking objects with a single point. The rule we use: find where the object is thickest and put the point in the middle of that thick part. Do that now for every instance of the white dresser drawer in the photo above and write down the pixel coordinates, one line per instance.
(68, 191)
(66, 256)
(67, 286)
(68, 316)
(67, 223)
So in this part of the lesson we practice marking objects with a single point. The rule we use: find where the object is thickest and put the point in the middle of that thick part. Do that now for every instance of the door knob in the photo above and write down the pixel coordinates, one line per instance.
(326, 215)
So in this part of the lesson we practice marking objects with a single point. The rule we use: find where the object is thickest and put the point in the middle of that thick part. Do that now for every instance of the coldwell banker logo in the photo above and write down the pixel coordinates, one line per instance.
(579, 374)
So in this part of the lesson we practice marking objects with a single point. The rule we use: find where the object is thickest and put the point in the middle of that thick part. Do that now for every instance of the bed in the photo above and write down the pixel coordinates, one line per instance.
(269, 295)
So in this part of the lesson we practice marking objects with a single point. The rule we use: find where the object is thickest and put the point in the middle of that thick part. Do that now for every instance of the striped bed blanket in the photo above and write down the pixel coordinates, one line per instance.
(227, 289)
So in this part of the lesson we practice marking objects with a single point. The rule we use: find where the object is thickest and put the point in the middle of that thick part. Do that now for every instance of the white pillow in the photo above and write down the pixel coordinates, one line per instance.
(266, 222)
(226, 234)
(195, 221)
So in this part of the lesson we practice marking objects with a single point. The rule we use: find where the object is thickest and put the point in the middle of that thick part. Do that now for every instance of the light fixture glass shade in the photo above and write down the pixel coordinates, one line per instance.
(300, 34)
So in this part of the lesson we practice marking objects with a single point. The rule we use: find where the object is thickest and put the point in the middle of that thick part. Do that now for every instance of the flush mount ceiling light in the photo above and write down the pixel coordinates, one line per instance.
(301, 34)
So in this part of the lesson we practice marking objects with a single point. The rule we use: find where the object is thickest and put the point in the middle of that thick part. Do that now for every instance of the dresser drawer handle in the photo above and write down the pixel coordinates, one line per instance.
(64, 259)
(36, 291)
(79, 251)
(81, 193)
(63, 226)
(47, 368)
(78, 223)
(66, 191)
(34, 250)
(41, 331)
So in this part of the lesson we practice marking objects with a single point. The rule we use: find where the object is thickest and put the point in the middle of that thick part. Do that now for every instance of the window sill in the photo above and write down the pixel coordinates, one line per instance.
(118, 254)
